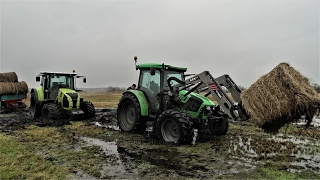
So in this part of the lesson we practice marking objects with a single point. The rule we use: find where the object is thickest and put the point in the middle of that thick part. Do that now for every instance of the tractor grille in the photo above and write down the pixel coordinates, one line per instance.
(74, 97)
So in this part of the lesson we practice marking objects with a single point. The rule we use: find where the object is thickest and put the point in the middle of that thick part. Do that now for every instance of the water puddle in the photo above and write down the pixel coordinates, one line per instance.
(315, 122)
(305, 153)
(114, 127)
(114, 167)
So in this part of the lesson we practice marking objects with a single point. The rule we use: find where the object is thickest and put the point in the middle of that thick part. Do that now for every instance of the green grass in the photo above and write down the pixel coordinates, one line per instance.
(18, 161)
(46, 153)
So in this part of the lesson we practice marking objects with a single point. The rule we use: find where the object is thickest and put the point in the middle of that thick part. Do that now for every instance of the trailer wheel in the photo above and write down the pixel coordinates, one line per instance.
(128, 114)
(34, 108)
(88, 109)
(174, 126)
(52, 114)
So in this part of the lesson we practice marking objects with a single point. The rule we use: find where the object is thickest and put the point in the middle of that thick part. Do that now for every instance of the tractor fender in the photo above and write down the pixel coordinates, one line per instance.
(142, 101)
(39, 94)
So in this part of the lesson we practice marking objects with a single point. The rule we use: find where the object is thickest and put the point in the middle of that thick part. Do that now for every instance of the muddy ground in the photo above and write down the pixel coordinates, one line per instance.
(243, 153)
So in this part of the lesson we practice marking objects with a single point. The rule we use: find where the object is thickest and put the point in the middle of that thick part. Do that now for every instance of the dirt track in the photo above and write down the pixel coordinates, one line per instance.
(239, 154)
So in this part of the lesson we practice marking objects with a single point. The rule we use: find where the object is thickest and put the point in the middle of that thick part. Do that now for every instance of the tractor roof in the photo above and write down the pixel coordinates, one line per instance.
(159, 66)
(57, 73)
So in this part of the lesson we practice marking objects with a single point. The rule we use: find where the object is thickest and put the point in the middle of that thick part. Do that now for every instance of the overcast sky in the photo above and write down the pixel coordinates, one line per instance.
(242, 38)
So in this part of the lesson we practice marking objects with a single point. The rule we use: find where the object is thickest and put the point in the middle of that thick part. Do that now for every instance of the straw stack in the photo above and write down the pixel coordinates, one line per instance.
(280, 97)
(9, 84)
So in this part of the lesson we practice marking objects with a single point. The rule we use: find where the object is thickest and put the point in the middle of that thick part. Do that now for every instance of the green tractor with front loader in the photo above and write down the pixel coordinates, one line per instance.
(177, 109)
(56, 100)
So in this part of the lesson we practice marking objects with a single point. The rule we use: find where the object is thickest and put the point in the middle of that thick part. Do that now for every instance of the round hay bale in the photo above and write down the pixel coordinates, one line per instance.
(279, 97)
(13, 88)
(8, 77)
(21, 87)
(7, 88)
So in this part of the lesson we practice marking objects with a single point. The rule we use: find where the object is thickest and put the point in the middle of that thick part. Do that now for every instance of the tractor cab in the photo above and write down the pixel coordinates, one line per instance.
(153, 81)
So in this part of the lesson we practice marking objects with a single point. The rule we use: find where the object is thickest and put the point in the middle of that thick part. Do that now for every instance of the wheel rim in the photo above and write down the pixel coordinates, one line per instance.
(128, 116)
(170, 131)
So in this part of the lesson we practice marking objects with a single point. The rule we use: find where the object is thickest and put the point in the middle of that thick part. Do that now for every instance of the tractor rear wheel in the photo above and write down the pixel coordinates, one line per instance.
(88, 109)
(34, 108)
(52, 114)
(129, 114)
(174, 126)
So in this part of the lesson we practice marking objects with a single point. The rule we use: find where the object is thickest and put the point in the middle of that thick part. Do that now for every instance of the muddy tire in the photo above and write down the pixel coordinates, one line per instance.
(129, 114)
(222, 127)
(52, 114)
(34, 108)
(88, 109)
(174, 126)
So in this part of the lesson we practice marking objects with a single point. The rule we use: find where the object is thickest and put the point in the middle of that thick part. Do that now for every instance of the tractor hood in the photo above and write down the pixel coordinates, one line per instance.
(206, 101)
(68, 98)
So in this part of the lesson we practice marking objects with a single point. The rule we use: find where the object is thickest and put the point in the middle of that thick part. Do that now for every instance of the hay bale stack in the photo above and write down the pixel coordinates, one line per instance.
(280, 97)
(13, 87)
(8, 77)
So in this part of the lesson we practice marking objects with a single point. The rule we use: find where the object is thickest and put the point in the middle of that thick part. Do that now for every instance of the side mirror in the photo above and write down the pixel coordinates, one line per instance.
(84, 80)
(152, 71)
(38, 78)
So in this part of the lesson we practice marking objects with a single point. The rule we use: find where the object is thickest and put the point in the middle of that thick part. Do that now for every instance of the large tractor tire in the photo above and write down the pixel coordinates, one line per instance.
(129, 114)
(88, 109)
(222, 127)
(174, 126)
(52, 114)
(35, 109)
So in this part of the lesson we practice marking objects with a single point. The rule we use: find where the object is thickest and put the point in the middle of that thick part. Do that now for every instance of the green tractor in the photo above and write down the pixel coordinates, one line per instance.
(177, 109)
(56, 99)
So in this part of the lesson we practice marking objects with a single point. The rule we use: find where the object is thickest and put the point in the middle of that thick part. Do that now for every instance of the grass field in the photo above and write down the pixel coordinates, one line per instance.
(102, 99)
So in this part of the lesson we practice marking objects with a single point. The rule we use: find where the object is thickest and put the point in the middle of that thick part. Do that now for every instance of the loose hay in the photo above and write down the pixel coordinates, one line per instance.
(8, 77)
(280, 97)
(16, 87)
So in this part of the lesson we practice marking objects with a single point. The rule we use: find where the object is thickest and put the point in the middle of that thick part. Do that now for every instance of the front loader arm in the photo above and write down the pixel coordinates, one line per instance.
(204, 82)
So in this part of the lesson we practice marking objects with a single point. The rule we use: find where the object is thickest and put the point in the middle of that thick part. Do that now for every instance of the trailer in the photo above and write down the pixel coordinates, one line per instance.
(12, 100)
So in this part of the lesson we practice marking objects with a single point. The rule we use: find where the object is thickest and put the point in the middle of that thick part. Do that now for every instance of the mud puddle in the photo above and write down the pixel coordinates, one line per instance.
(109, 126)
(300, 153)
(113, 167)
(315, 121)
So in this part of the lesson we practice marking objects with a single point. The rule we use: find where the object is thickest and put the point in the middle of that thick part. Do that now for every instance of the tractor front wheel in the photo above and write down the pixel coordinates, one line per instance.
(52, 114)
(174, 126)
(88, 109)
(222, 127)
(128, 114)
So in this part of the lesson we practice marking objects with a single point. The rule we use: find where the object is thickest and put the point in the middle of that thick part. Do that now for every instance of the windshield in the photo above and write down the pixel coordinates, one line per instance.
(61, 81)
(168, 74)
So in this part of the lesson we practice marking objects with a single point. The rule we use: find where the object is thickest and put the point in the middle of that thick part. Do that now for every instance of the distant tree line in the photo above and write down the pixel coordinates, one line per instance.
(115, 89)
